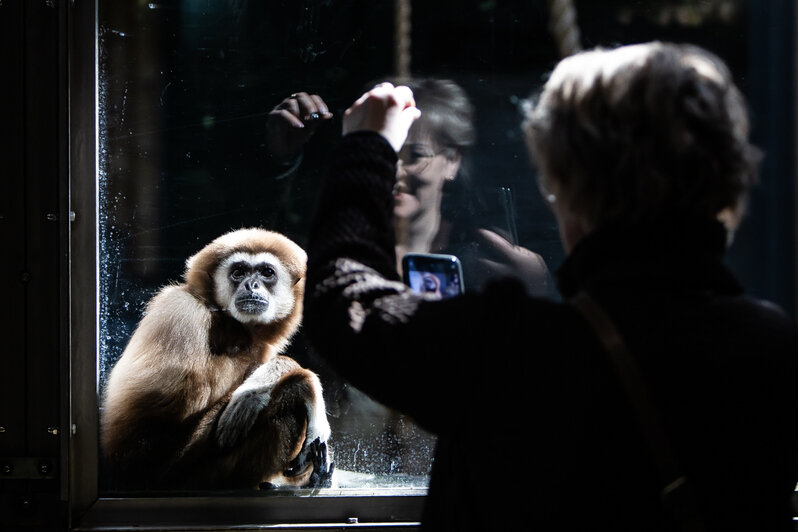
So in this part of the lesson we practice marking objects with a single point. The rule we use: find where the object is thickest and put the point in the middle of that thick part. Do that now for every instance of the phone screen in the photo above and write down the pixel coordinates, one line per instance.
(428, 273)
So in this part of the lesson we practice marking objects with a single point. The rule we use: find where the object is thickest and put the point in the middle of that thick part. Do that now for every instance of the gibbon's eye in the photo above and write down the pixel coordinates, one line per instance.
(267, 271)
(237, 274)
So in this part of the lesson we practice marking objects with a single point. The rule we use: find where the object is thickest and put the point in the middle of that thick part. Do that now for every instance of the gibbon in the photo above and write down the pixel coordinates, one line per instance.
(201, 397)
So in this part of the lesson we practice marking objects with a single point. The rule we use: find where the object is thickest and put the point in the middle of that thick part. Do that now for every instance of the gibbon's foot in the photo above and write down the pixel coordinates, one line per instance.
(313, 455)
(322, 468)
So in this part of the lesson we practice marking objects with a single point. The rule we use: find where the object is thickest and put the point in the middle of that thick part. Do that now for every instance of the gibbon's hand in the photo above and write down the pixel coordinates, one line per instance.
(515, 261)
(385, 109)
(292, 122)
(240, 414)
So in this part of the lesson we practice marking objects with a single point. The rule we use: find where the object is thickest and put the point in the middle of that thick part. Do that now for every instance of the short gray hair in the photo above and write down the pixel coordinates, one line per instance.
(641, 133)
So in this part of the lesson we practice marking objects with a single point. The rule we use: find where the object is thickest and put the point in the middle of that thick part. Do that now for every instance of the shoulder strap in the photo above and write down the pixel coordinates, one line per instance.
(677, 497)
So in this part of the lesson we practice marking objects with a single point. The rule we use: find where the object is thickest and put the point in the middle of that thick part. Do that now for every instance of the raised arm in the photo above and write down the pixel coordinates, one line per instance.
(408, 351)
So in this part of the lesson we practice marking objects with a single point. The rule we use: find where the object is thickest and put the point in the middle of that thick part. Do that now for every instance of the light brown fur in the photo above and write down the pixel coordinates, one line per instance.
(165, 395)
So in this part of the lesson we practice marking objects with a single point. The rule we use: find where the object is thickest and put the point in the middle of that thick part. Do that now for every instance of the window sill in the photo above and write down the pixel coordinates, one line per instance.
(396, 508)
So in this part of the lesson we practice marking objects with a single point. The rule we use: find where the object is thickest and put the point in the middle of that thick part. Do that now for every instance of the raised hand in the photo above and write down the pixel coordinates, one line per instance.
(502, 258)
(385, 109)
(292, 122)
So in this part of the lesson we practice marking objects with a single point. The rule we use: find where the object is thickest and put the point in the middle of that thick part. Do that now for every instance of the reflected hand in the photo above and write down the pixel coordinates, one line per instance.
(385, 109)
(292, 122)
(515, 261)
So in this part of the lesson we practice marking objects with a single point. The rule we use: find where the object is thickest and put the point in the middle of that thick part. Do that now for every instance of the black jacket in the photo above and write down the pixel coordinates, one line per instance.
(531, 419)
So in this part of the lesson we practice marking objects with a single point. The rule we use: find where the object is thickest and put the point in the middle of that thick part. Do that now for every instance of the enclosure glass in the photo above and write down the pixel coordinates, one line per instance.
(186, 89)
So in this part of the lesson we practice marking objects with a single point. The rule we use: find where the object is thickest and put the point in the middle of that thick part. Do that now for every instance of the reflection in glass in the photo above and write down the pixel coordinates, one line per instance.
(186, 93)
(443, 207)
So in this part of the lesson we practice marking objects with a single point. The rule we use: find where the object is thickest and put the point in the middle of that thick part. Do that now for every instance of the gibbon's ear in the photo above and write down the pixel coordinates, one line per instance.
(292, 256)
(200, 268)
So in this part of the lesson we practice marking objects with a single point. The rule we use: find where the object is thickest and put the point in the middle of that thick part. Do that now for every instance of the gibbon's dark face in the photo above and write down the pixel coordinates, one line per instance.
(254, 288)
(430, 284)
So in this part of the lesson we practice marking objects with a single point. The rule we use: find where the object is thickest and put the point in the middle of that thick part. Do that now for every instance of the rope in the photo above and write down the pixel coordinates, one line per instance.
(402, 38)
(564, 27)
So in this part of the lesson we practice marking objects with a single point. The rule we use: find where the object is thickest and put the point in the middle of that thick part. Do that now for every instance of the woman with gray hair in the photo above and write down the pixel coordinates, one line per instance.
(657, 395)
(434, 156)
(645, 134)
(438, 208)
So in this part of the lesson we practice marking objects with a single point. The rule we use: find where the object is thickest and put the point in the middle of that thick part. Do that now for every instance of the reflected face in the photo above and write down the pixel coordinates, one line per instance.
(420, 173)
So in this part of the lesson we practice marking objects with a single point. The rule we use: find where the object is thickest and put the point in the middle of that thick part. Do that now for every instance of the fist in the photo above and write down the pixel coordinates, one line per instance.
(292, 122)
(385, 109)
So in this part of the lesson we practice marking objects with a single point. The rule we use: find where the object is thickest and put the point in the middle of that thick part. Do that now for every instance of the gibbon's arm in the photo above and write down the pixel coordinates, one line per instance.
(255, 393)
(420, 356)
(250, 398)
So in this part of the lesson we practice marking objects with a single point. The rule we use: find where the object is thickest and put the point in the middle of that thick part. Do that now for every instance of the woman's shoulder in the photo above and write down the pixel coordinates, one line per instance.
(758, 314)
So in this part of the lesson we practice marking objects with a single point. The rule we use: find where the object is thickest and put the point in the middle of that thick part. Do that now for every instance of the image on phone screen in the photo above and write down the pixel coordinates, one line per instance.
(439, 275)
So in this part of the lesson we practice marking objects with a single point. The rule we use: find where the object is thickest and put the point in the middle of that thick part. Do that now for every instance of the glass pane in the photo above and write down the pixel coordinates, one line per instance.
(186, 88)
(186, 91)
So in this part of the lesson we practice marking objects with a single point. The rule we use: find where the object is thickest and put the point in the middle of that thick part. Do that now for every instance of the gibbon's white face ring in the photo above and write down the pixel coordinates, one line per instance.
(266, 301)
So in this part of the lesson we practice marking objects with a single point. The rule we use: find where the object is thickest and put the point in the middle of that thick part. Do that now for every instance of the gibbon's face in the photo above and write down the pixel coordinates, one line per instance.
(431, 283)
(254, 288)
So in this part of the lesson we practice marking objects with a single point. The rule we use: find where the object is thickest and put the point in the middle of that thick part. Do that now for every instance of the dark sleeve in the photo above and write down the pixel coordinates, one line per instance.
(420, 356)
(354, 216)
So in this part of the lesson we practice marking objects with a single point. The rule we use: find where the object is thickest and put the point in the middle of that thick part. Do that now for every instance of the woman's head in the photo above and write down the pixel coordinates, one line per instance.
(643, 133)
(447, 115)
(435, 146)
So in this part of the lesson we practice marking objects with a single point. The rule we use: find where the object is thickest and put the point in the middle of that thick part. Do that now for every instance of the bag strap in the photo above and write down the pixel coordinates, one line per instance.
(677, 497)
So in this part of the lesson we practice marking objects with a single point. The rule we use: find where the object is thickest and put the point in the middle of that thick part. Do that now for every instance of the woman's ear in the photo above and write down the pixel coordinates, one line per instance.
(453, 160)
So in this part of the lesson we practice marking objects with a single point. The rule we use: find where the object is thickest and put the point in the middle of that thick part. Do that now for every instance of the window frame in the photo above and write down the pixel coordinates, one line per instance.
(401, 509)
(395, 508)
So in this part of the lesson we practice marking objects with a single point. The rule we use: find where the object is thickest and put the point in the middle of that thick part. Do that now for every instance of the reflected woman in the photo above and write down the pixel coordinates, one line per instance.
(432, 156)
(436, 206)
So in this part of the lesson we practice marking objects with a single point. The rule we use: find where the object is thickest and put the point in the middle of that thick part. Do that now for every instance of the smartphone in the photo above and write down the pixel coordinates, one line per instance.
(431, 273)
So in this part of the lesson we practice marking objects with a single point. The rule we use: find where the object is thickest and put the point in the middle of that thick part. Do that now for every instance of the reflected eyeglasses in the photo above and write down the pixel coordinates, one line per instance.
(416, 156)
